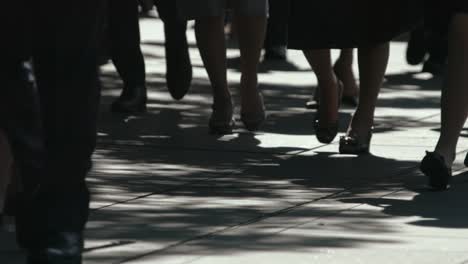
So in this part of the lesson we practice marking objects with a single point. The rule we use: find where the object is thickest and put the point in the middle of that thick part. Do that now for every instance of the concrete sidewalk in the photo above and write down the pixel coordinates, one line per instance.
(165, 191)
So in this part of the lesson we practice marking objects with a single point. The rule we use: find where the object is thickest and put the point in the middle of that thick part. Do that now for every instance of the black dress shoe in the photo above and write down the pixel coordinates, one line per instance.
(178, 64)
(132, 101)
(434, 167)
(60, 248)
(434, 67)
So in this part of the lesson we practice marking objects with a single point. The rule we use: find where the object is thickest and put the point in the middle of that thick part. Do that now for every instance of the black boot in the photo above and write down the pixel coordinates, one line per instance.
(131, 101)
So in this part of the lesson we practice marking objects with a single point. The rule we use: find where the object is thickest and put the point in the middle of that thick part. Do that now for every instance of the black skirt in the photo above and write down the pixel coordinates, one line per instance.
(351, 23)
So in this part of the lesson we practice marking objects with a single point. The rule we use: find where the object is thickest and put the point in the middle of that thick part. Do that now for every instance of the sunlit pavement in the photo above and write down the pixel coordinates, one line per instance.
(165, 191)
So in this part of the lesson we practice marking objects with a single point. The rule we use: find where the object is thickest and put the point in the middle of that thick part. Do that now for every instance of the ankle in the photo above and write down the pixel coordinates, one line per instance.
(449, 155)
(361, 125)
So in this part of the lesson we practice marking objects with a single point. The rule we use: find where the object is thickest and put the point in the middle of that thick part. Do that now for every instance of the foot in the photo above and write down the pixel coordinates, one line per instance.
(131, 101)
(326, 120)
(434, 67)
(436, 168)
(253, 112)
(330, 99)
(253, 120)
(221, 121)
(358, 137)
(178, 64)
(59, 248)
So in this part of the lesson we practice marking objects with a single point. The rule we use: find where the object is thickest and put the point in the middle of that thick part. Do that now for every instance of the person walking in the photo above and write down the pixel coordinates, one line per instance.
(437, 165)
(51, 126)
(124, 34)
(364, 24)
(250, 18)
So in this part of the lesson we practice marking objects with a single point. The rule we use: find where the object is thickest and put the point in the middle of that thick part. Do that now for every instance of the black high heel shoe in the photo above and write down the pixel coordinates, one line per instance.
(221, 120)
(351, 144)
(326, 133)
(254, 120)
(434, 167)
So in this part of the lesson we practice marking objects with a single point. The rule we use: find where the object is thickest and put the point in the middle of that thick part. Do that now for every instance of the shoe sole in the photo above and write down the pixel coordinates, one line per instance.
(434, 171)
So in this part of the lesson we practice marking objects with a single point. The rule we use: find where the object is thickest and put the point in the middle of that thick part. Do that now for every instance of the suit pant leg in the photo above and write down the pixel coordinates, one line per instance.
(64, 55)
(124, 35)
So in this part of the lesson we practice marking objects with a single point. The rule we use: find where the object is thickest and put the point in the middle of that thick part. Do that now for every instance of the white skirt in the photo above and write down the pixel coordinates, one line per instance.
(193, 9)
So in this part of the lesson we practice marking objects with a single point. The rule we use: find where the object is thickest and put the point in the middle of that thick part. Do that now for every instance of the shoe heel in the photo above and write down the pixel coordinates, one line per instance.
(254, 121)
(353, 146)
(434, 167)
(221, 120)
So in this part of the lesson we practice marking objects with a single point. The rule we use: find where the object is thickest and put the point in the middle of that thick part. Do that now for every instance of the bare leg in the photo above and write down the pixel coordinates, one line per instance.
(320, 61)
(344, 71)
(372, 66)
(251, 35)
(455, 95)
(210, 39)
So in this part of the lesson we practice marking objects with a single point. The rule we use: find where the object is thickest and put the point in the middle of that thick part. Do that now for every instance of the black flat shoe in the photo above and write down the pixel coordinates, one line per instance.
(132, 101)
(434, 167)
(351, 144)
(60, 248)
(326, 133)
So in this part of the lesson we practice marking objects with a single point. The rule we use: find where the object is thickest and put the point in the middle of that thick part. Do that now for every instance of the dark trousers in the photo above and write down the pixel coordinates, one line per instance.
(277, 29)
(167, 10)
(436, 23)
(124, 35)
(52, 127)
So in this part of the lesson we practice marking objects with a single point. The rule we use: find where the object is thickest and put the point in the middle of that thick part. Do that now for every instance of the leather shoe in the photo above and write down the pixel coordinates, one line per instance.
(60, 248)
(131, 101)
